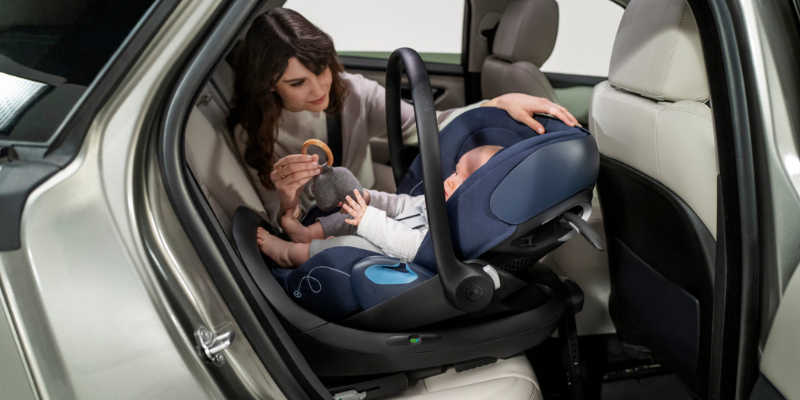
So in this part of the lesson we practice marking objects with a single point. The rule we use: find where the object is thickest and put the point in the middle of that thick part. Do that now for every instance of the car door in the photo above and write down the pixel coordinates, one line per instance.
(774, 323)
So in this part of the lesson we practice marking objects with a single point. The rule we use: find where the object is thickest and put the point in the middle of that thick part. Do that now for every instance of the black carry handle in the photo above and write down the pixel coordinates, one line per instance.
(570, 220)
(467, 286)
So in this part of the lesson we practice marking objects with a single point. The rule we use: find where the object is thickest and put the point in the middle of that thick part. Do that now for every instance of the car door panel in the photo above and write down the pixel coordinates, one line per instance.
(779, 363)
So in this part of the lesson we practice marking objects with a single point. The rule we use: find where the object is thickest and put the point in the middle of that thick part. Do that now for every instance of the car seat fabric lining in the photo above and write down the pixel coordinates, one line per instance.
(322, 285)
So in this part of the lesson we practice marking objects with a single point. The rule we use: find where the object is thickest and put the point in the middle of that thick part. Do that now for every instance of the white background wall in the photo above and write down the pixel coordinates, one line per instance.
(432, 26)
(585, 36)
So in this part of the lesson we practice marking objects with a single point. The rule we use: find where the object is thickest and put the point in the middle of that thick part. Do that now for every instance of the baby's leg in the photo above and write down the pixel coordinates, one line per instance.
(334, 225)
(286, 254)
(317, 246)
(300, 233)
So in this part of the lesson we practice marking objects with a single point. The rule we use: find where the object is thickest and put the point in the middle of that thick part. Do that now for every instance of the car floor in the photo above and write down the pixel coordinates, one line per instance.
(613, 371)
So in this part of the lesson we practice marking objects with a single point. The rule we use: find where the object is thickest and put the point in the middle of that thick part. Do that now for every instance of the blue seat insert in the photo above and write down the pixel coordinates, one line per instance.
(322, 284)
(377, 279)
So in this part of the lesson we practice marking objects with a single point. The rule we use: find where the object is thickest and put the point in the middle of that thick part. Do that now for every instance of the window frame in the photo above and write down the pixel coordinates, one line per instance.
(71, 130)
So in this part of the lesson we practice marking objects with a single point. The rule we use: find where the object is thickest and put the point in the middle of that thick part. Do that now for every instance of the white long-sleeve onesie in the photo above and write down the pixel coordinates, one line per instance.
(395, 238)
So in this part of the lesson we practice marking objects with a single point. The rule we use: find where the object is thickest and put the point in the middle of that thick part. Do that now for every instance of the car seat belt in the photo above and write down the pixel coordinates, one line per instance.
(334, 126)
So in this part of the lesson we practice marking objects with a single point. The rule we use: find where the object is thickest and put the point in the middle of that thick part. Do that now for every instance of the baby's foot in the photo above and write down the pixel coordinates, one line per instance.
(295, 229)
(274, 248)
(298, 232)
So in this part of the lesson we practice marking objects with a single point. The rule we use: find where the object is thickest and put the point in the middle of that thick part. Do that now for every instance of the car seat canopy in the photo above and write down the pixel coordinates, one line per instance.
(530, 175)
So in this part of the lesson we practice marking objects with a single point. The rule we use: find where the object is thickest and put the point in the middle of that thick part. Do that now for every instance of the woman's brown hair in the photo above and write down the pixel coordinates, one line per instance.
(274, 37)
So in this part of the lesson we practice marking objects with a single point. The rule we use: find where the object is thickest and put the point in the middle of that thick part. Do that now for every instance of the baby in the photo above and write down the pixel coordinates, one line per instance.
(392, 224)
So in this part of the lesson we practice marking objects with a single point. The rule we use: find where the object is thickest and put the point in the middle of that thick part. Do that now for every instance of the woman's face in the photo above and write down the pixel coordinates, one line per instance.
(302, 90)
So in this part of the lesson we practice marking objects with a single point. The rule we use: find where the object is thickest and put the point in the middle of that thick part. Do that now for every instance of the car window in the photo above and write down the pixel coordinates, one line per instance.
(375, 28)
(50, 53)
(586, 32)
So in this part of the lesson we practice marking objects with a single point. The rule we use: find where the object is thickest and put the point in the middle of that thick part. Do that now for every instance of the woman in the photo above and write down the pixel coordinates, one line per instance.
(287, 79)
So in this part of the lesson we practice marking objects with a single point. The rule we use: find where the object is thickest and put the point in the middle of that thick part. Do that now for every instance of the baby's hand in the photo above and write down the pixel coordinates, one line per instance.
(366, 200)
(356, 208)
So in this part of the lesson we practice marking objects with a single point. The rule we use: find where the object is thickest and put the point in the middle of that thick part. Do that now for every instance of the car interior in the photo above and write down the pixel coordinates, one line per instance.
(567, 319)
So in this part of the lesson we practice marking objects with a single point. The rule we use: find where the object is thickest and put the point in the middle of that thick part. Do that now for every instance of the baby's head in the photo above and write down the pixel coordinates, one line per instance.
(467, 165)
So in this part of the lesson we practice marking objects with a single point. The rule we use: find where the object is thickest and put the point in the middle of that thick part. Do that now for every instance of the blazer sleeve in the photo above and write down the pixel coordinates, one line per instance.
(375, 106)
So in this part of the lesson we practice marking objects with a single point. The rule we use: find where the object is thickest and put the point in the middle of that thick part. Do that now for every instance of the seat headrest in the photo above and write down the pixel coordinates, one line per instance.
(527, 31)
(657, 52)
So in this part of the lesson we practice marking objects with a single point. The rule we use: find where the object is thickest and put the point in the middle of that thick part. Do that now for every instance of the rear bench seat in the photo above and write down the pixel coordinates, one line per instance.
(223, 178)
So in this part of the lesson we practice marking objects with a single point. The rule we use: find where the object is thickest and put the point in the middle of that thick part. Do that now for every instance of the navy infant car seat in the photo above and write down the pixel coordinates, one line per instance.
(372, 314)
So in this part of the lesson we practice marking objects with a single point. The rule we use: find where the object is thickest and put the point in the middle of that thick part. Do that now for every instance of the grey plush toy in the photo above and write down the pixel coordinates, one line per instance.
(333, 184)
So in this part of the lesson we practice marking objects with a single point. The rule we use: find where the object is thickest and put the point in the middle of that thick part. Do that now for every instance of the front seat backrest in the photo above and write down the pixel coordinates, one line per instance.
(658, 184)
(524, 40)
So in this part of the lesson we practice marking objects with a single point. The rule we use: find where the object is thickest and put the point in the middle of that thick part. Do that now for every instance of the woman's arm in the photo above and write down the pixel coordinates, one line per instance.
(519, 106)
(276, 202)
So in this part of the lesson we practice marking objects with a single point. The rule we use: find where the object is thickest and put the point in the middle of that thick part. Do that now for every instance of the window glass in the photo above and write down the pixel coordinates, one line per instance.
(50, 52)
(586, 31)
(375, 28)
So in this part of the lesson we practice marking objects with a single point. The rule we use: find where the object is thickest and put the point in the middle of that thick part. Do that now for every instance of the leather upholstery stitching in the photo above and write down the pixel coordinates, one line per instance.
(658, 117)
(649, 104)
(507, 375)
(653, 49)
(655, 144)
(533, 395)
(674, 52)
(504, 391)
(688, 112)
(513, 56)
(623, 43)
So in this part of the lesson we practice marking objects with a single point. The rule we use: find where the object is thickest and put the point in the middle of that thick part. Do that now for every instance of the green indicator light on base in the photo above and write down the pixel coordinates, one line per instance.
(414, 340)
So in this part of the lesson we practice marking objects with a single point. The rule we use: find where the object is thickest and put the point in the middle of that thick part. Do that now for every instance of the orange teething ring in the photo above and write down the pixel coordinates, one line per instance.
(319, 143)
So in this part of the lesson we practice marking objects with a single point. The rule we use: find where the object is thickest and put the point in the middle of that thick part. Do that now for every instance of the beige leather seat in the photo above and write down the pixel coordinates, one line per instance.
(212, 155)
(524, 40)
(504, 380)
(658, 184)
(218, 171)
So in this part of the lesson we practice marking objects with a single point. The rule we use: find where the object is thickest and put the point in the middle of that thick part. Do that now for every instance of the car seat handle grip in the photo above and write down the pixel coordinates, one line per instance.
(570, 220)
(466, 286)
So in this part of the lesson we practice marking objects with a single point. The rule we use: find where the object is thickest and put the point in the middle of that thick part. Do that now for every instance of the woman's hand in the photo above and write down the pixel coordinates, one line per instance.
(521, 107)
(356, 208)
(290, 174)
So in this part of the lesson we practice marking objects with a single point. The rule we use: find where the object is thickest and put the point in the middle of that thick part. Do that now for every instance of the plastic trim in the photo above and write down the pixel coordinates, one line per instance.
(465, 286)
(64, 146)
(734, 367)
